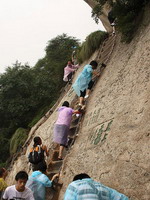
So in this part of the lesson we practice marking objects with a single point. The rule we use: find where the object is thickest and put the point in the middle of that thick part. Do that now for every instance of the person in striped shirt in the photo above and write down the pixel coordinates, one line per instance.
(84, 188)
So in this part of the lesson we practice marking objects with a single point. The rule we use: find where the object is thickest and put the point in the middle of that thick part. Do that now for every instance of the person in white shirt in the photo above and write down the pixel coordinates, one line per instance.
(19, 191)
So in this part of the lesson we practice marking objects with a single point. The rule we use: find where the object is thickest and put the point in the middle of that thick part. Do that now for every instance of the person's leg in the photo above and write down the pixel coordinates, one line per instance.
(87, 93)
(113, 27)
(90, 85)
(82, 95)
(61, 148)
(70, 77)
(81, 99)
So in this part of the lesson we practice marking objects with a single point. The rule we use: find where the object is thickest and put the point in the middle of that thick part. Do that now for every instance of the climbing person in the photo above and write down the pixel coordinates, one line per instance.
(91, 83)
(37, 153)
(3, 184)
(84, 78)
(83, 187)
(39, 181)
(19, 190)
(112, 19)
(68, 71)
(61, 127)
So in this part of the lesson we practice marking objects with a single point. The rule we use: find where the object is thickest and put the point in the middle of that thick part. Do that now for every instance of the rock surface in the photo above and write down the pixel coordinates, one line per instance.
(113, 145)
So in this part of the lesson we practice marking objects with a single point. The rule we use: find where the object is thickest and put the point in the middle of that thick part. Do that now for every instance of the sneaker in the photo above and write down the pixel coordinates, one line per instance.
(77, 115)
(113, 24)
(86, 96)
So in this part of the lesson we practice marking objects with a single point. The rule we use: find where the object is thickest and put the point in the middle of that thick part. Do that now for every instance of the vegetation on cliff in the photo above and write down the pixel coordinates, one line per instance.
(18, 140)
(127, 14)
(91, 44)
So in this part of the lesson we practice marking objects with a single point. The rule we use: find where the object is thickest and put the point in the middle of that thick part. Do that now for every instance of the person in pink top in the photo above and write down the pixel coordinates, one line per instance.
(68, 71)
(61, 127)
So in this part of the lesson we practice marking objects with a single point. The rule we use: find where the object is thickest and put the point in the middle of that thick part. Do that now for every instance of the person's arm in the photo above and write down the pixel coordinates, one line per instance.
(46, 181)
(77, 112)
(95, 73)
(114, 194)
(71, 193)
(46, 151)
(69, 69)
(5, 185)
(30, 196)
(75, 66)
(54, 177)
(5, 195)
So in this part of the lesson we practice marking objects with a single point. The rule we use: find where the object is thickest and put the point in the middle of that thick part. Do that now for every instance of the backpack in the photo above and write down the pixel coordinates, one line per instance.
(36, 155)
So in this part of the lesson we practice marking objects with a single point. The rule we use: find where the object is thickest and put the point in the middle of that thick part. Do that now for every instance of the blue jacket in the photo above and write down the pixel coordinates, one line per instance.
(37, 183)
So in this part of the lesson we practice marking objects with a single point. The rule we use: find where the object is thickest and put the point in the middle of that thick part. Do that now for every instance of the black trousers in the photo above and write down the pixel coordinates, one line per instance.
(90, 85)
(69, 76)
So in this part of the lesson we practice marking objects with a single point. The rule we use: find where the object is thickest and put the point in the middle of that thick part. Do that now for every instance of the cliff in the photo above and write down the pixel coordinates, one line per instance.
(114, 137)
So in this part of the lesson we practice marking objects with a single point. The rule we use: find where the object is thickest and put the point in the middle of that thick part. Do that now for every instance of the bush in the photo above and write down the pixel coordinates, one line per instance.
(4, 147)
(91, 44)
(18, 139)
(126, 13)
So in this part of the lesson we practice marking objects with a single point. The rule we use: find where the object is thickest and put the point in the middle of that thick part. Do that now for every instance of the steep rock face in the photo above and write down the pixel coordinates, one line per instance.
(103, 17)
(113, 142)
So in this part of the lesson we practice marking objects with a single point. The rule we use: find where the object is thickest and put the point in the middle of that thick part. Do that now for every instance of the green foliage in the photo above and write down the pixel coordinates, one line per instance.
(40, 114)
(126, 13)
(4, 152)
(92, 43)
(14, 95)
(58, 58)
(96, 12)
(18, 140)
(101, 2)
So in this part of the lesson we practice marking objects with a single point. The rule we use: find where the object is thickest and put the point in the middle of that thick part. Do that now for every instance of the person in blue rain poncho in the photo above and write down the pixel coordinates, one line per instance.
(38, 181)
(84, 78)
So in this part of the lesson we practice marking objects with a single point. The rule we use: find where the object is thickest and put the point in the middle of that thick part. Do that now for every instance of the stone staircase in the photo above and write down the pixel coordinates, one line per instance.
(55, 165)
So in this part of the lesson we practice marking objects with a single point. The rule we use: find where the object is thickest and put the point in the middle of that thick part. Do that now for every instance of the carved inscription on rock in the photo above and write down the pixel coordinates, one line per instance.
(99, 134)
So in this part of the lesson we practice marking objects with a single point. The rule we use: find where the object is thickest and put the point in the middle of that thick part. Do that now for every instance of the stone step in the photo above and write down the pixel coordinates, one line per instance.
(107, 48)
(55, 165)
(110, 41)
(55, 155)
